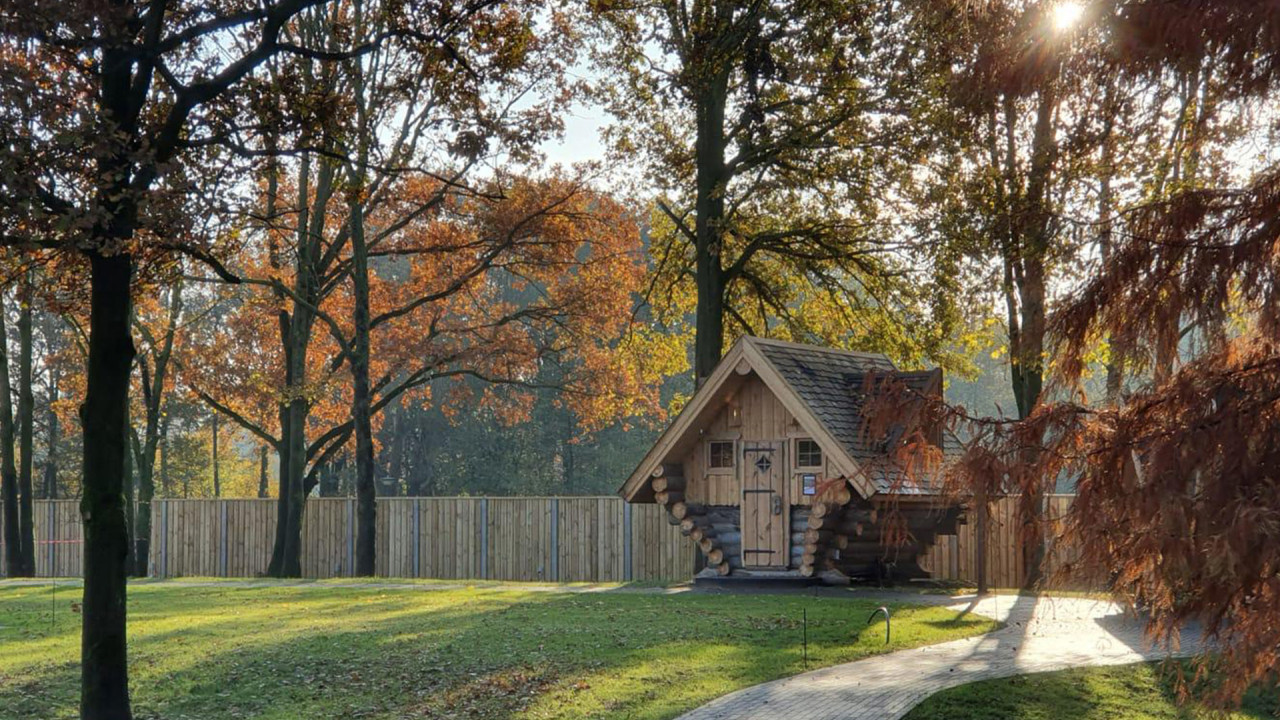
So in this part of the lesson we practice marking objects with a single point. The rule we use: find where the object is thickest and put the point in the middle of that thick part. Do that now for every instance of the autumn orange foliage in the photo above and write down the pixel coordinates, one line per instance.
(496, 285)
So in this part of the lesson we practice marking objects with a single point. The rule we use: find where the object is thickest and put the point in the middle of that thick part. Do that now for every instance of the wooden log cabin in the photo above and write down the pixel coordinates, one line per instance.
(768, 471)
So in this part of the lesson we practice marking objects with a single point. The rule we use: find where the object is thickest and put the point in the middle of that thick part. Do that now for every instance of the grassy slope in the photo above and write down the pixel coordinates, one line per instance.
(1127, 692)
(322, 651)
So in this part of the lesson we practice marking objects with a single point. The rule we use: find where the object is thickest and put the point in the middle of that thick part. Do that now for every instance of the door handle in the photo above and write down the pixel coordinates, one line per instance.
(777, 504)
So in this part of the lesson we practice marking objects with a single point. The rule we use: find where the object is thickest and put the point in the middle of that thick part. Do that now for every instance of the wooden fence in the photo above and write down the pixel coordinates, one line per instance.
(552, 539)
(954, 557)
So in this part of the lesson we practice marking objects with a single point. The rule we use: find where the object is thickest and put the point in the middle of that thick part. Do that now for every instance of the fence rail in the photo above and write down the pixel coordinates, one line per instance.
(552, 539)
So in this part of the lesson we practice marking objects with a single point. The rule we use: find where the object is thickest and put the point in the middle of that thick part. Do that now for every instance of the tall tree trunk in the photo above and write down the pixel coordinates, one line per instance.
(361, 414)
(262, 472)
(104, 675)
(274, 567)
(285, 555)
(366, 505)
(396, 460)
(1032, 292)
(294, 443)
(14, 567)
(155, 426)
(1106, 205)
(217, 481)
(166, 485)
(26, 436)
(285, 323)
(131, 559)
(709, 149)
(291, 553)
(51, 453)
(142, 512)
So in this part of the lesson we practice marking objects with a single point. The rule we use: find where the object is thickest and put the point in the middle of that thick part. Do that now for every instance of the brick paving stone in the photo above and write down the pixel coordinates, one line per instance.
(1040, 634)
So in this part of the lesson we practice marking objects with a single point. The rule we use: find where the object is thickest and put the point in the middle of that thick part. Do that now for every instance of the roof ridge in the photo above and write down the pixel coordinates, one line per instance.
(807, 346)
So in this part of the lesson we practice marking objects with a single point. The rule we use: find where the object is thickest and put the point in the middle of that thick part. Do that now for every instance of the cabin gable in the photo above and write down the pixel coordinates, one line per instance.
(752, 414)
(773, 406)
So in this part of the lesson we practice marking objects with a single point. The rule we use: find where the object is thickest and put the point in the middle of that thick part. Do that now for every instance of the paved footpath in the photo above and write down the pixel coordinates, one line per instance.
(1040, 634)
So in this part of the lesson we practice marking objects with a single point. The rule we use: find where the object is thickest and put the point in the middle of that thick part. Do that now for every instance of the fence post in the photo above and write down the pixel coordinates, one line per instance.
(555, 539)
(484, 538)
(51, 534)
(417, 536)
(351, 537)
(626, 542)
(164, 539)
(222, 545)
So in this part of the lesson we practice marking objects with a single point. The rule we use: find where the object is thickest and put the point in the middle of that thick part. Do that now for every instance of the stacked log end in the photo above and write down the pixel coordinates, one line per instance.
(844, 533)
(668, 485)
(680, 510)
(668, 497)
(832, 522)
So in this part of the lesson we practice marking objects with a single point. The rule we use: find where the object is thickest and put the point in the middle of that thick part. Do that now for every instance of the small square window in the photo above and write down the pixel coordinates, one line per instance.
(808, 454)
(721, 454)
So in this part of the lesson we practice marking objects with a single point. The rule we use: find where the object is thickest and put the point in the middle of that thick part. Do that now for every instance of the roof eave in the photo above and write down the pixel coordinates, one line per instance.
(637, 488)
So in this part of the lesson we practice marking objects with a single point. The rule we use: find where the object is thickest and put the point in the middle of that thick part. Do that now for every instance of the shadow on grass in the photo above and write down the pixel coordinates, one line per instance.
(346, 652)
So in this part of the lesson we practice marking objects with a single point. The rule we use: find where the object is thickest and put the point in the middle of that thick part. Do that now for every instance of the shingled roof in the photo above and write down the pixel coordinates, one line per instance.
(830, 382)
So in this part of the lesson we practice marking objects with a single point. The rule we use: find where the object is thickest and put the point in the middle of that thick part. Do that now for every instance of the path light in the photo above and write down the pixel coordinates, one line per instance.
(877, 611)
(1066, 15)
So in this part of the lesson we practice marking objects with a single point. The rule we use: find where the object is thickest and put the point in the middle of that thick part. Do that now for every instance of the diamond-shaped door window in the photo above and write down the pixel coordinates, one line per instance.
(763, 463)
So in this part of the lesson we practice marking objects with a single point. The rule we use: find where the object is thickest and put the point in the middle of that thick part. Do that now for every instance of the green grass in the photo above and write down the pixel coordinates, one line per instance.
(1128, 692)
(327, 651)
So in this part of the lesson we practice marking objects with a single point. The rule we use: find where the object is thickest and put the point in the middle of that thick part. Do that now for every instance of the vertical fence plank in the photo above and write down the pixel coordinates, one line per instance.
(628, 571)
(350, 569)
(417, 538)
(164, 539)
(554, 573)
(484, 538)
(222, 539)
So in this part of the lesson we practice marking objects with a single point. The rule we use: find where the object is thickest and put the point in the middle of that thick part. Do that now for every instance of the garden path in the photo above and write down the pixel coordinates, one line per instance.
(1040, 634)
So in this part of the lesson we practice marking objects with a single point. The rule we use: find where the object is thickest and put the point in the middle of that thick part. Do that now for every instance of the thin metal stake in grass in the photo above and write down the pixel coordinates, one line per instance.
(804, 616)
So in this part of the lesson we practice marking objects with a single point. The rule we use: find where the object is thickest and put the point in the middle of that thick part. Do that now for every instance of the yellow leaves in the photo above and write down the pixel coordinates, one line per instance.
(678, 401)
(622, 380)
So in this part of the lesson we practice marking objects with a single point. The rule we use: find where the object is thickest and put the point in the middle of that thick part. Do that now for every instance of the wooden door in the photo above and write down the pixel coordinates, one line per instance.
(764, 506)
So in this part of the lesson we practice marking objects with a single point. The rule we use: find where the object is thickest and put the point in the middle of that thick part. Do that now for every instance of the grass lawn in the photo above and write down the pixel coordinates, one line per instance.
(327, 651)
(1127, 692)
